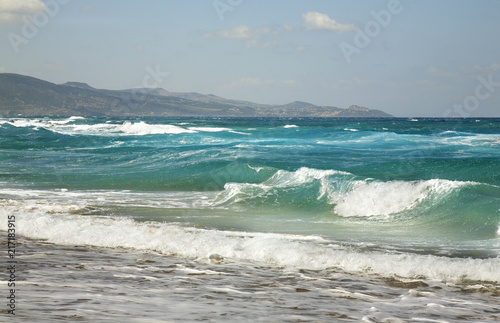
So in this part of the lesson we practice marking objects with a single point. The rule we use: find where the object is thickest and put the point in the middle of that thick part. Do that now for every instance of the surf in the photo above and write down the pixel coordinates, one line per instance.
(394, 198)
(63, 224)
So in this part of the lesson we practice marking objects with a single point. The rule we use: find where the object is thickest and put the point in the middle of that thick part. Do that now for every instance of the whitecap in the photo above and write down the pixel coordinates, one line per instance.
(108, 128)
(282, 179)
(58, 223)
(142, 128)
(209, 129)
(372, 198)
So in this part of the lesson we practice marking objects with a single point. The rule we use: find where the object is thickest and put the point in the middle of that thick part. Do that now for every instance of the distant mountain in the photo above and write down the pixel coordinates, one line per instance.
(297, 105)
(207, 98)
(355, 111)
(28, 96)
(79, 85)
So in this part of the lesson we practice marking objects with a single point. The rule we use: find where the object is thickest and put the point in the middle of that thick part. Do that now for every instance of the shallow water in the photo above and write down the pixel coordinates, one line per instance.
(91, 284)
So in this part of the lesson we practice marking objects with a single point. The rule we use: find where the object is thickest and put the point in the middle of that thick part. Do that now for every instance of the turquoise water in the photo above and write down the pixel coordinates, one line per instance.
(429, 172)
(406, 198)
(408, 178)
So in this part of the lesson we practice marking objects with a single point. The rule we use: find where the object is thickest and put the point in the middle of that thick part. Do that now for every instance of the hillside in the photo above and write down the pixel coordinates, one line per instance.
(28, 96)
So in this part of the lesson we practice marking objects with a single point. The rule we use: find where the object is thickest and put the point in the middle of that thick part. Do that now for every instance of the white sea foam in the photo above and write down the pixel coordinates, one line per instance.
(468, 139)
(61, 224)
(66, 121)
(290, 126)
(39, 123)
(79, 200)
(370, 198)
(350, 197)
(302, 175)
(142, 128)
(209, 129)
(216, 129)
(237, 192)
(27, 123)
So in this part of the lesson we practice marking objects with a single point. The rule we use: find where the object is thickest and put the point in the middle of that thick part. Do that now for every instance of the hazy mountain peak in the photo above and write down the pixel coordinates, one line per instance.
(30, 96)
(79, 85)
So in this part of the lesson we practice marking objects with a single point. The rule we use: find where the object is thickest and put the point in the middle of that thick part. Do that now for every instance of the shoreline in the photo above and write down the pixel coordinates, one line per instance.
(85, 283)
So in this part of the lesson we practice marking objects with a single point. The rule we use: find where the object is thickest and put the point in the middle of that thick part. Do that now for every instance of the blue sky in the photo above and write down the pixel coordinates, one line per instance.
(408, 58)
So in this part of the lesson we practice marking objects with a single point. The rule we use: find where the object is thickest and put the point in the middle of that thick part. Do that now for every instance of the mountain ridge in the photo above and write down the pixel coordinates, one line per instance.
(22, 95)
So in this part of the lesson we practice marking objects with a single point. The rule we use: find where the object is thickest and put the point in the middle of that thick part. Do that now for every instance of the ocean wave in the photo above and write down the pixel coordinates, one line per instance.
(372, 198)
(142, 128)
(280, 181)
(128, 128)
(44, 123)
(61, 223)
(209, 129)
(453, 138)
(348, 195)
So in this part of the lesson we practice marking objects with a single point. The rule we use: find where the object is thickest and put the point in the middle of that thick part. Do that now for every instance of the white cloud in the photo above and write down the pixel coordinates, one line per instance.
(240, 32)
(12, 11)
(321, 21)
(243, 32)
(287, 27)
(439, 72)
(255, 37)
(2, 69)
(487, 69)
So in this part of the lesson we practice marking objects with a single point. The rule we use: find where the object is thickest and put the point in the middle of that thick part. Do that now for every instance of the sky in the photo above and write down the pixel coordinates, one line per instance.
(420, 58)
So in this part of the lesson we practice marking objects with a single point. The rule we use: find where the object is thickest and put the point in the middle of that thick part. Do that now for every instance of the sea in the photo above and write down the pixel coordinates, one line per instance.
(249, 220)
